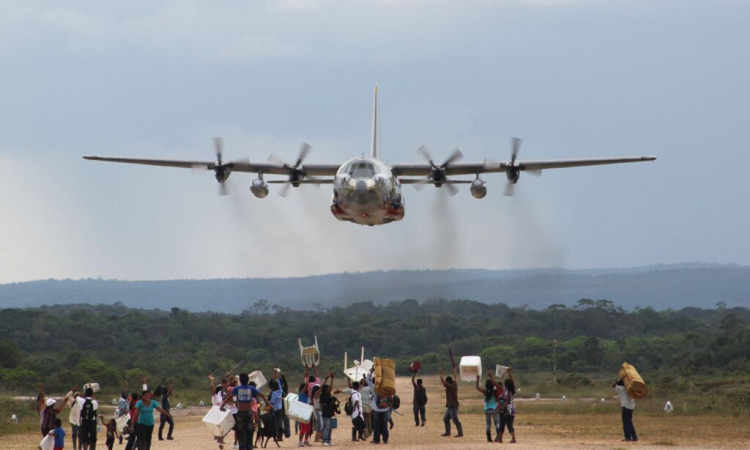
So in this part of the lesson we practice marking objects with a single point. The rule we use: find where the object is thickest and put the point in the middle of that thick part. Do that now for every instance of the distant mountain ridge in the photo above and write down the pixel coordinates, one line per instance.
(659, 286)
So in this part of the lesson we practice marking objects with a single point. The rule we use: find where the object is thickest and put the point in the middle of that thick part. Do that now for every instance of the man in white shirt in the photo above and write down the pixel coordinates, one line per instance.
(628, 405)
(358, 420)
(89, 411)
(75, 419)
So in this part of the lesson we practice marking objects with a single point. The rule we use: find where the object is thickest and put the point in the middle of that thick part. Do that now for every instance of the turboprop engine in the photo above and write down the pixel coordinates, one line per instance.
(478, 189)
(259, 188)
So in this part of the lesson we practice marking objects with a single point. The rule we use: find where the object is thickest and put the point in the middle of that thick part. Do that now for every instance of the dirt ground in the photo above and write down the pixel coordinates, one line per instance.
(535, 429)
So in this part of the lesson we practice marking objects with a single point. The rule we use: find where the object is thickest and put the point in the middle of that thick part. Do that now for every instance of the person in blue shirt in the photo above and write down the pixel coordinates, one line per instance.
(244, 394)
(277, 401)
(143, 416)
(59, 435)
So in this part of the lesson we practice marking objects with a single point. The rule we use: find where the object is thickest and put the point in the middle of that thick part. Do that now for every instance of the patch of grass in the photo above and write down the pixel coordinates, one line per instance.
(25, 411)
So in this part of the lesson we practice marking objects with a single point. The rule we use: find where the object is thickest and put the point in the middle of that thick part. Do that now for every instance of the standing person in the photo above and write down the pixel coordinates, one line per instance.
(166, 406)
(244, 394)
(380, 408)
(419, 401)
(132, 426)
(358, 420)
(111, 426)
(451, 403)
(277, 402)
(312, 382)
(74, 418)
(144, 418)
(366, 393)
(52, 410)
(89, 411)
(285, 389)
(59, 435)
(628, 405)
(305, 429)
(491, 413)
(507, 406)
(217, 397)
(329, 406)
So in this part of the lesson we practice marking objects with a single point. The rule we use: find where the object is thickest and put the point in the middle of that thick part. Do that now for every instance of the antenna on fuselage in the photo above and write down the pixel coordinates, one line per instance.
(375, 150)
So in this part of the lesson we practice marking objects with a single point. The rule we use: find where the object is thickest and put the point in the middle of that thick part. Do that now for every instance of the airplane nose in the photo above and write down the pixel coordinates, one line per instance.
(360, 188)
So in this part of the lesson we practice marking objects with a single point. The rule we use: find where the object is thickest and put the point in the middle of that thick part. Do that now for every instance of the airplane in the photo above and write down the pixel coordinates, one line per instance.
(366, 190)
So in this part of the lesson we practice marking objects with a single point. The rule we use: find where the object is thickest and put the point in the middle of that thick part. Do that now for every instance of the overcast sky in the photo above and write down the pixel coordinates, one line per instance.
(573, 78)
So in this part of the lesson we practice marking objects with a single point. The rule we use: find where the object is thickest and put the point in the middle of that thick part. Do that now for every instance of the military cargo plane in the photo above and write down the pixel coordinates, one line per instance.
(366, 190)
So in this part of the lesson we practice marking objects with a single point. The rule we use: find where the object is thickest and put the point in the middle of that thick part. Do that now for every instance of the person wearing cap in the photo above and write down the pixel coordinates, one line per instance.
(51, 410)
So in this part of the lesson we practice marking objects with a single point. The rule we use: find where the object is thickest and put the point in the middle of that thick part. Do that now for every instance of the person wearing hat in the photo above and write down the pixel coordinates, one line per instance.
(51, 410)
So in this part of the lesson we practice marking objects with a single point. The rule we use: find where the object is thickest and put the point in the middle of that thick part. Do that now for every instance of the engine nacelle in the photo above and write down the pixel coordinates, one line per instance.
(222, 173)
(513, 175)
(478, 189)
(259, 188)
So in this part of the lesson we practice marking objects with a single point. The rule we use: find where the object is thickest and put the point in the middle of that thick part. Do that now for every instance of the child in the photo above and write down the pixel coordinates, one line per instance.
(59, 435)
(111, 431)
(305, 429)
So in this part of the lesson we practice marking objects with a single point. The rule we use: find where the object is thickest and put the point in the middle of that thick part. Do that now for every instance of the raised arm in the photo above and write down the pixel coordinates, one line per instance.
(315, 371)
(213, 386)
(413, 382)
(440, 373)
(480, 389)
(494, 383)
(170, 387)
(331, 376)
(510, 375)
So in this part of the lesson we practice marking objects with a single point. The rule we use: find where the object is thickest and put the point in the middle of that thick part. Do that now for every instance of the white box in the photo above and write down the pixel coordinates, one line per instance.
(500, 371)
(219, 422)
(259, 379)
(470, 367)
(296, 410)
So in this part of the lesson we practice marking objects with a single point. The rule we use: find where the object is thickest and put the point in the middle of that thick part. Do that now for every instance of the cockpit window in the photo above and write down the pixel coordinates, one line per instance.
(362, 169)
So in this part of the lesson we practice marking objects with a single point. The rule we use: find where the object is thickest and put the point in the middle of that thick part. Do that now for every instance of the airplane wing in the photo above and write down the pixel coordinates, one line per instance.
(236, 166)
(472, 168)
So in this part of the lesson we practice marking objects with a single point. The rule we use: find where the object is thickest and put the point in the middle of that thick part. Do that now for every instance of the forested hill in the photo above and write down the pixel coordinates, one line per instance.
(66, 345)
(661, 287)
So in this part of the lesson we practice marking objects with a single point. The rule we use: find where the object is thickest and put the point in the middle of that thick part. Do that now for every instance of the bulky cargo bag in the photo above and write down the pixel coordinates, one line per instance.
(633, 382)
(385, 377)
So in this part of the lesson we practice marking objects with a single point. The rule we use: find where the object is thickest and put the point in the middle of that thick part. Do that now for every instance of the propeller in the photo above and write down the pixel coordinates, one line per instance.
(513, 170)
(221, 169)
(437, 176)
(296, 170)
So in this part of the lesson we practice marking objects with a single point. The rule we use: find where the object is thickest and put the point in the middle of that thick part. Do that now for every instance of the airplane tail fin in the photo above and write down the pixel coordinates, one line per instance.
(375, 151)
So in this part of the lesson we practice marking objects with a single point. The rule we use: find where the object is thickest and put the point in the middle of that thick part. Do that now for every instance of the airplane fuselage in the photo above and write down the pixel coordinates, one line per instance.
(366, 192)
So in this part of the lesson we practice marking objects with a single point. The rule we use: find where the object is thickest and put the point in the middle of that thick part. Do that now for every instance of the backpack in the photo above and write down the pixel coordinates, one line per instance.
(422, 395)
(88, 413)
(349, 408)
(395, 402)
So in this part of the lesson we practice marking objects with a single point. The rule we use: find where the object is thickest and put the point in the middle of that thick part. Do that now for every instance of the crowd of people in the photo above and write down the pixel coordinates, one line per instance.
(85, 418)
(370, 414)
(257, 416)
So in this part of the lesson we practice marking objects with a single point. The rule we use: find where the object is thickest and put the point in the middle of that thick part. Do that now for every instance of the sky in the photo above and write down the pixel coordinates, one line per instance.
(573, 78)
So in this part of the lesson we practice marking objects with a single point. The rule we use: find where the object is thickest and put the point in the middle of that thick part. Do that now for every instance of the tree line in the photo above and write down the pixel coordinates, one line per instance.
(65, 345)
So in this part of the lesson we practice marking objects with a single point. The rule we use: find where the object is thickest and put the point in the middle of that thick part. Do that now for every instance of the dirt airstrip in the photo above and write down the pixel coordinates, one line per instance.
(536, 429)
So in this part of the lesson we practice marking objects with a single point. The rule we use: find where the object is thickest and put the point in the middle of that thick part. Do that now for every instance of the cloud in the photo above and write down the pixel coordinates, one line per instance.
(259, 46)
